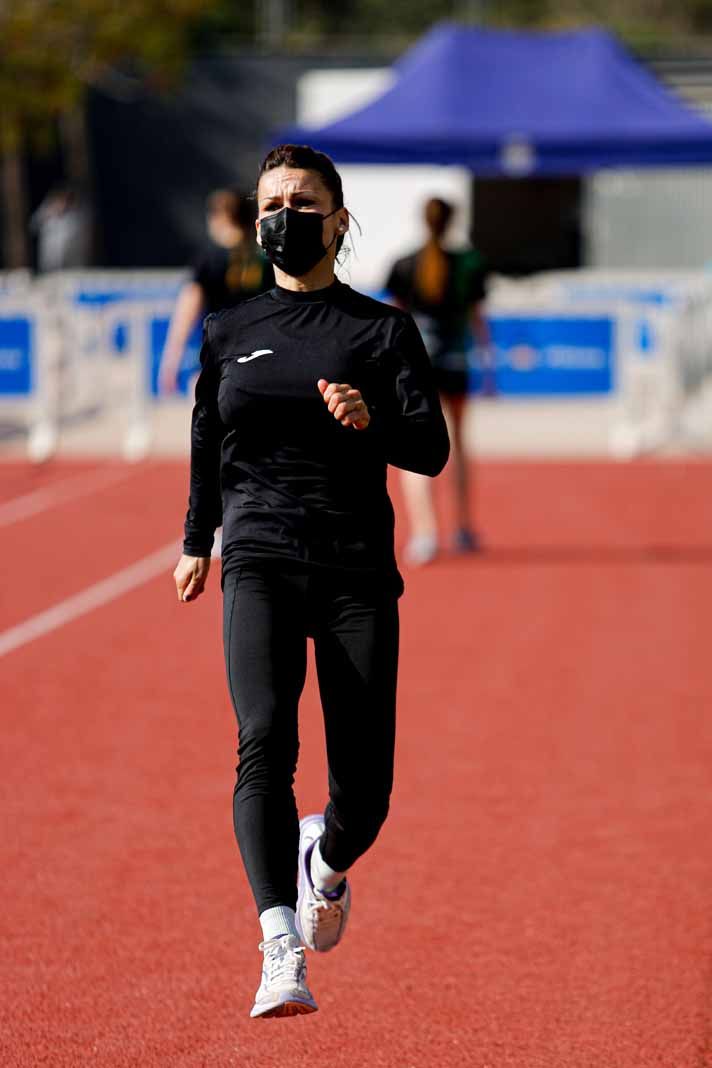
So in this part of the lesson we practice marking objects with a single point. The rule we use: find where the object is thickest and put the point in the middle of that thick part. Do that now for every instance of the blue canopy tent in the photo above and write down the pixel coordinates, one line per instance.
(514, 103)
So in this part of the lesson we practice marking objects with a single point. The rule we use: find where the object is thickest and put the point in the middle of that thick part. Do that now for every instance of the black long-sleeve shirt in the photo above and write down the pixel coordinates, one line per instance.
(269, 461)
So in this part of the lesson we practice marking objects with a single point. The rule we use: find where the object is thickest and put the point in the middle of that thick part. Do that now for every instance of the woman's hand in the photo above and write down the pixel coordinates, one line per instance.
(345, 404)
(191, 575)
(168, 372)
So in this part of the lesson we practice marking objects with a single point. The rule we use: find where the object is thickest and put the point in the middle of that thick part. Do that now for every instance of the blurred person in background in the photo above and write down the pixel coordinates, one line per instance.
(306, 394)
(230, 270)
(61, 226)
(445, 292)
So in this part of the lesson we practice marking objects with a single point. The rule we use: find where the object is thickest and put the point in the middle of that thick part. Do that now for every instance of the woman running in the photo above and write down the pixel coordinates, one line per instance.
(445, 291)
(306, 393)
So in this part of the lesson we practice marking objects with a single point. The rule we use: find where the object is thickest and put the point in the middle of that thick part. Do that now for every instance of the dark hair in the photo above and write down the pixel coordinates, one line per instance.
(437, 214)
(306, 158)
(239, 209)
(432, 267)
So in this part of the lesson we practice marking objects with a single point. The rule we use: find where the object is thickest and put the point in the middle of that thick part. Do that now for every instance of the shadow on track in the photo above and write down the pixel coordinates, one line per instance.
(596, 555)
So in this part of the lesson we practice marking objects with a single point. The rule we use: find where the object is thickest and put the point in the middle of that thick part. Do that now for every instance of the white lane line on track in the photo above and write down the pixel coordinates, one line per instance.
(92, 597)
(68, 489)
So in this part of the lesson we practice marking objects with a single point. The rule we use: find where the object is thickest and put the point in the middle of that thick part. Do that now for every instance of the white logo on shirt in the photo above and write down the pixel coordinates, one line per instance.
(254, 355)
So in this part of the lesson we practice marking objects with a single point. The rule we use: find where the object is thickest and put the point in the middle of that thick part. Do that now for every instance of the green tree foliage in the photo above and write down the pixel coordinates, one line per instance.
(389, 25)
(51, 50)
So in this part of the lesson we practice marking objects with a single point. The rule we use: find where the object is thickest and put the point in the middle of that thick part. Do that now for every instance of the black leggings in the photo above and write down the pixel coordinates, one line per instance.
(269, 612)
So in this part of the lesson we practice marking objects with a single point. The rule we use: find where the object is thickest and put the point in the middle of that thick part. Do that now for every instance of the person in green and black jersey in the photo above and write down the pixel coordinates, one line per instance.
(444, 289)
(231, 269)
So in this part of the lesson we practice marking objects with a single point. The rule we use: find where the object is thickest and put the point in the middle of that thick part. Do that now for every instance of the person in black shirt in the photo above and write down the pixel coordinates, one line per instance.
(445, 291)
(231, 269)
(306, 394)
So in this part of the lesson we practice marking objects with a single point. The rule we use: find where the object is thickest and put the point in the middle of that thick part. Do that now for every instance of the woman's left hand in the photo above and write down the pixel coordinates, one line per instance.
(345, 404)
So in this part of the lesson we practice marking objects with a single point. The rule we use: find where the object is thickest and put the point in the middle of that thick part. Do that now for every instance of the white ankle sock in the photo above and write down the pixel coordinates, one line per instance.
(323, 877)
(277, 921)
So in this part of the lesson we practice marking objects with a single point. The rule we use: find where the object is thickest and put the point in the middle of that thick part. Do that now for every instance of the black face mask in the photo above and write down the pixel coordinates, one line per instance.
(292, 240)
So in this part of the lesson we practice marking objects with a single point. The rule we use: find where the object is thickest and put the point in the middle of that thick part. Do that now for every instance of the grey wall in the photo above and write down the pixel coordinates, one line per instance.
(649, 218)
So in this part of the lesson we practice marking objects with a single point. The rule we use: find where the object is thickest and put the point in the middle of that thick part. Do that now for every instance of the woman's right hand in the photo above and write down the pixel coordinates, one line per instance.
(191, 574)
(168, 373)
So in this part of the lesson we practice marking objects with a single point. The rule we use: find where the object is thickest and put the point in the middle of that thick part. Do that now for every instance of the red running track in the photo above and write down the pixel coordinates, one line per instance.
(540, 897)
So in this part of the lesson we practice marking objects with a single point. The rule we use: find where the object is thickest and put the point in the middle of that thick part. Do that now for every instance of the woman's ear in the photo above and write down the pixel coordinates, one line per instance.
(257, 231)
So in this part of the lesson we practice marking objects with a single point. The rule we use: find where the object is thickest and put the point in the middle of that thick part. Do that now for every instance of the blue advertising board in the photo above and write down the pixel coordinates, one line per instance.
(104, 294)
(190, 364)
(558, 355)
(534, 356)
(616, 292)
(16, 356)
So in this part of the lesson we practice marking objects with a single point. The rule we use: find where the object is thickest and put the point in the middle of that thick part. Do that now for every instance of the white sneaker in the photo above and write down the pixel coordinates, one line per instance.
(321, 918)
(283, 990)
(421, 550)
